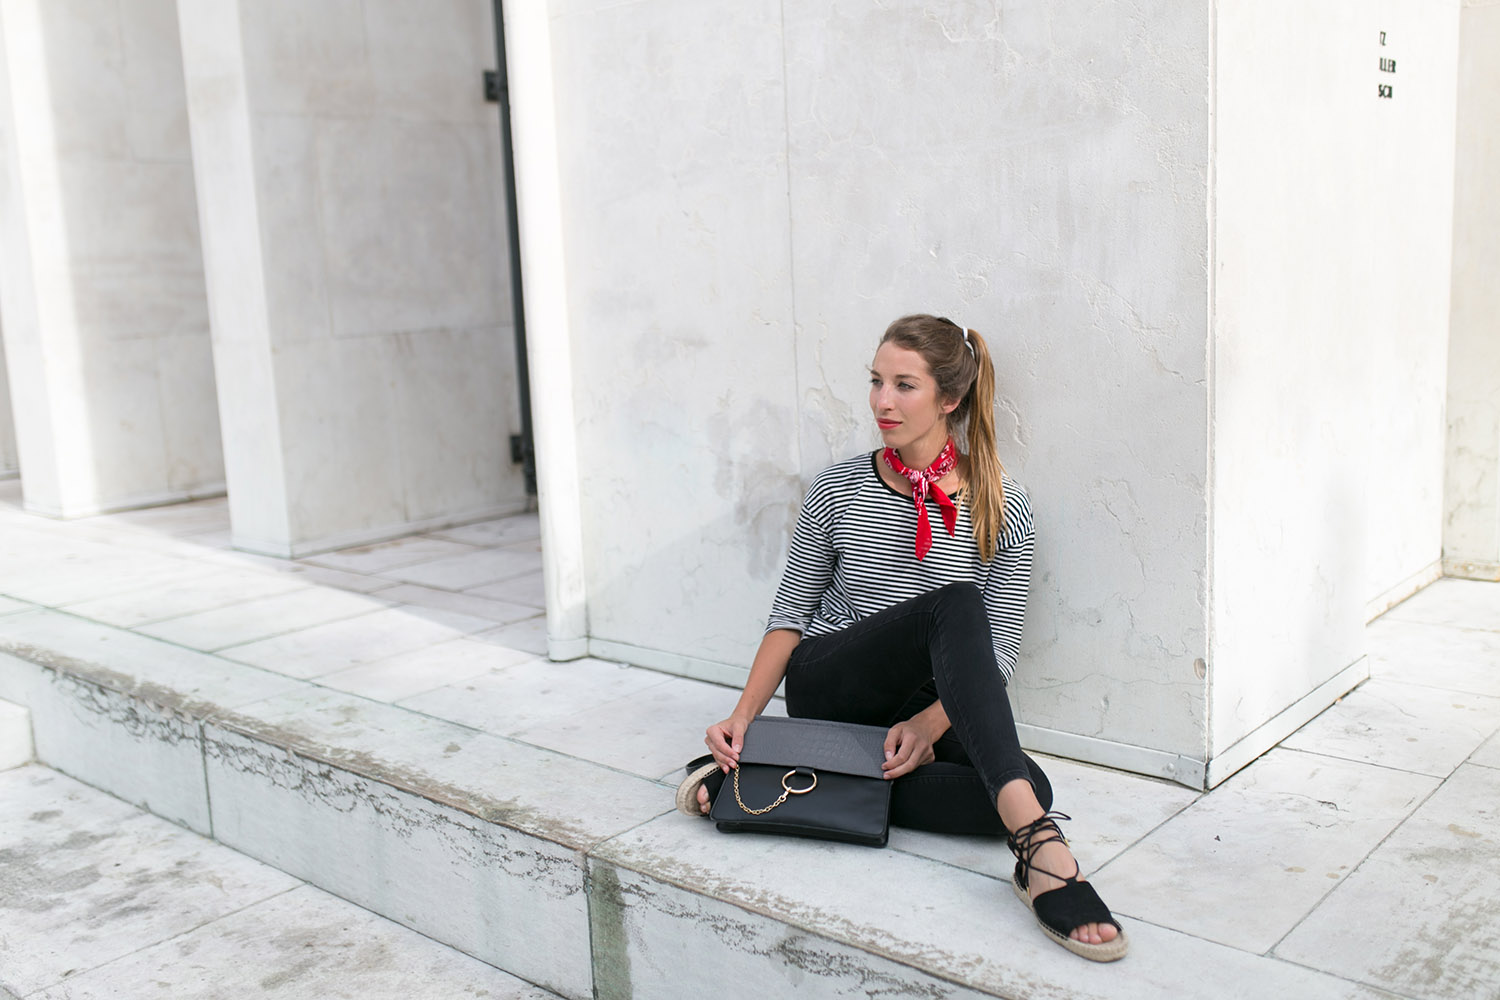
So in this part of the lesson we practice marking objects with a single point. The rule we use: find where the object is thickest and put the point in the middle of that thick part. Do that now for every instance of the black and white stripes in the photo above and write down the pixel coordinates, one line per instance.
(853, 553)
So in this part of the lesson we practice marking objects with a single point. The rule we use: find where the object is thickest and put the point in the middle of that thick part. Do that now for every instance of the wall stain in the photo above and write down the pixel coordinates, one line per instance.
(610, 942)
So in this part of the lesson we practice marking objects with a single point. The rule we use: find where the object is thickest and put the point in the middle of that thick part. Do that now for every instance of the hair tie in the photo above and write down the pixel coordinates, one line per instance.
(967, 343)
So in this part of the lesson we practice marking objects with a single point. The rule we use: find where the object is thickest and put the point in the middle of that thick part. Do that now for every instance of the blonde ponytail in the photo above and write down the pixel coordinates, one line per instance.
(986, 485)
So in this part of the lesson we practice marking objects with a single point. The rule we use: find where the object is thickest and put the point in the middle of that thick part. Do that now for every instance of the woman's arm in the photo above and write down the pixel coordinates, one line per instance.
(727, 738)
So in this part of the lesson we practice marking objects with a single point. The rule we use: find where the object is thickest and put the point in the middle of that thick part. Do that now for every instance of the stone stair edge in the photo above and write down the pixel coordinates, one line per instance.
(211, 718)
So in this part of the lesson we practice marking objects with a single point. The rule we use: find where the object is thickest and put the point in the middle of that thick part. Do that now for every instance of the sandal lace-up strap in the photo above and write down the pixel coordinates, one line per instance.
(1024, 841)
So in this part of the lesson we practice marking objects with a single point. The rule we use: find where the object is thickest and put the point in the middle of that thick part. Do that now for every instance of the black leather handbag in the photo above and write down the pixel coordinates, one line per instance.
(808, 778)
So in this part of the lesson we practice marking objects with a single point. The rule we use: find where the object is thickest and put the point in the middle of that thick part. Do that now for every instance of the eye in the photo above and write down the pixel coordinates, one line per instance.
(905, 385)
(874, 380)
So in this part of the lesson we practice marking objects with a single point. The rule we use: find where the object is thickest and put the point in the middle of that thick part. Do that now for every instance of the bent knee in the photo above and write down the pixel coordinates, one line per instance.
(960, 592)
(960, 598)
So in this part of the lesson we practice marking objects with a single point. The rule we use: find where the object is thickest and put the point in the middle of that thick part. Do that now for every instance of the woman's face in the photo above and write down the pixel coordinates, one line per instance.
(904, 399)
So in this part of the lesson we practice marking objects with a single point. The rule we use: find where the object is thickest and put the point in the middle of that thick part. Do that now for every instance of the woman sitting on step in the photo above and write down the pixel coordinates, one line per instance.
(882, 620)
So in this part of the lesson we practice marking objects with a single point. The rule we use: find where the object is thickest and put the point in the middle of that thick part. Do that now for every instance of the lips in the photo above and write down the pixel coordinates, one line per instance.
(886, 425)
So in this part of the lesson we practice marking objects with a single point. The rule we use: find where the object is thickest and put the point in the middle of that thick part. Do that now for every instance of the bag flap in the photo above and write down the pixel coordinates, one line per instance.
(816, 743)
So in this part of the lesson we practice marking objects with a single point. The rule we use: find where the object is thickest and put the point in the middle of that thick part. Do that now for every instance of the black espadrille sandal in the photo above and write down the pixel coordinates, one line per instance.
(1059, 911)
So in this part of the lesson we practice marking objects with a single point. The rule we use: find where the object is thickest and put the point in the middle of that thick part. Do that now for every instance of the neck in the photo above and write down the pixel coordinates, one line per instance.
(920, 454)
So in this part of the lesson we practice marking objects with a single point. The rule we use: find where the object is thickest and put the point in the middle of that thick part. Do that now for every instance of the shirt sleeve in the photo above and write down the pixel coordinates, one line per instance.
(1010, 580)
(809, 563)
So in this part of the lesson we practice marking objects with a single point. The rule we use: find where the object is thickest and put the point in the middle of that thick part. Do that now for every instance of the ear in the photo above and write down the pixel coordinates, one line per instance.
(948, 408)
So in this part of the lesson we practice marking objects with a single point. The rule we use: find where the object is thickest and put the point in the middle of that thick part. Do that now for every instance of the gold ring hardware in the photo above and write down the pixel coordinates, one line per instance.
(786, 790)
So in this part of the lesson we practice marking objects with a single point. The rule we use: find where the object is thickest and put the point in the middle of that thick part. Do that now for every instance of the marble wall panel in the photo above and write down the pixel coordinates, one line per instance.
(426, 60)
(190, 427)
(487, 890)
(1402, 300)
(119, 401)
(307, 59)
(156, 118)
(90, 109)
(412, 224)
(455, 411)
(134, 253)
(339, 437)
(291, 228)
(1309, 525)
(673, 174)
(1471, 528)
(1045, 186)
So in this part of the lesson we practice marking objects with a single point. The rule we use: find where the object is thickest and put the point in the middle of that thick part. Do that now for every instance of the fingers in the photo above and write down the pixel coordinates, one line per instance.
(900, 751)
(906, 749)
(725, 740)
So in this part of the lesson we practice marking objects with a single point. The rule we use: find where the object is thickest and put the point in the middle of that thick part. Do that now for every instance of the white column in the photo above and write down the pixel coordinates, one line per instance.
(1471, 529)
(101, 282)
(349, 180)
(528, 45)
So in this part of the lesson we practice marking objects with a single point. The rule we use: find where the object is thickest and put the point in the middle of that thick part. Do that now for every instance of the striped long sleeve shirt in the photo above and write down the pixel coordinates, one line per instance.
(853, 553)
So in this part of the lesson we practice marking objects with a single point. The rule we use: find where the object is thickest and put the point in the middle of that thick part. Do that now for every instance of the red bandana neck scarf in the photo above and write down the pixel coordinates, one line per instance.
(923, 483)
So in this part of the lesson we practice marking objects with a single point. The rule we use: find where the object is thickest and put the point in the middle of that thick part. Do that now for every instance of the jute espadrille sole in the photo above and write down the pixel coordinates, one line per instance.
(687, 792)
(1109, 951)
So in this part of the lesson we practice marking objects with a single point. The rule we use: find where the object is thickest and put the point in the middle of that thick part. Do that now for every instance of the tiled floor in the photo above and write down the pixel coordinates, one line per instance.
(1367, 846)
(386, 621)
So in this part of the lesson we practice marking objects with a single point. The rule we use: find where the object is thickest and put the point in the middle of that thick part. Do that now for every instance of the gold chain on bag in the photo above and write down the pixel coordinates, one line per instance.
(786, 790)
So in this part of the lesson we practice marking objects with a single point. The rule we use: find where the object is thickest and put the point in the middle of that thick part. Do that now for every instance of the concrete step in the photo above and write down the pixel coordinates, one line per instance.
(574, 876)
(103, 900)
(15, 735)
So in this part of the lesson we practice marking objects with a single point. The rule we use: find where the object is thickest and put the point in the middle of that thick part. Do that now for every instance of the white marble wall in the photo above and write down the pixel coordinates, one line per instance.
(350, 184)
(677, 239)
(1330, 263)
(1471, 531)
(1221, 373)
(101, 279)
(808, 180)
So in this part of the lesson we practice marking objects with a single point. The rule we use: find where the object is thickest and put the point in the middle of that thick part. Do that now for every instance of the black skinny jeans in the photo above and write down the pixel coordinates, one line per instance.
(886, 668)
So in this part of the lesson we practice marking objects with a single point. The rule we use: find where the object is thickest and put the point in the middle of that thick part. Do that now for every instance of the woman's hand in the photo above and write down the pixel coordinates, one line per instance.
(908, 745)
(725, 741)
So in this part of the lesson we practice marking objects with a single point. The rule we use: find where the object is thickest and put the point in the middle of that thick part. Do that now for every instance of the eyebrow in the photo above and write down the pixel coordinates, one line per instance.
(872, 371)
